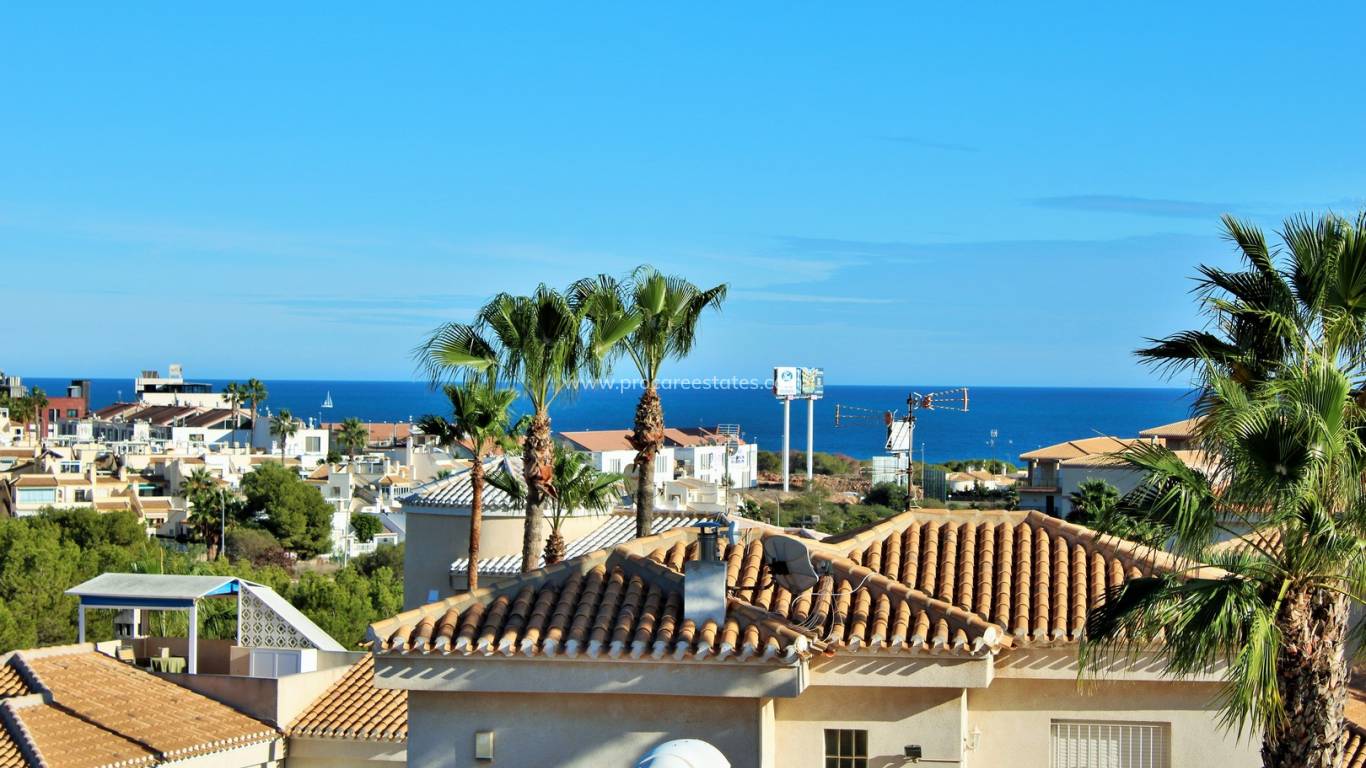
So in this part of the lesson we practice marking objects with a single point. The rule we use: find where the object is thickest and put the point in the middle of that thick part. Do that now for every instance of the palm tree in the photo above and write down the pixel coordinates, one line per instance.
(534, 342)
(482, 422)
(353, 435)
(1259, 313)
(255, 393)
(1094, 499)
(650, 318)
(1281, 429)
(235, 394)
(37, 399)
(199, 489)
(286, 426)
(578, 486)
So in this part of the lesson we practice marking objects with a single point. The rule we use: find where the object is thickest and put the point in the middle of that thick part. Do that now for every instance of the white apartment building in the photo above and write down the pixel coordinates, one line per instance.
(610, 451)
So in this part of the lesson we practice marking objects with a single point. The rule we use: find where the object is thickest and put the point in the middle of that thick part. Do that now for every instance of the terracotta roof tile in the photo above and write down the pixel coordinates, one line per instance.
(172, 721)
(12, 683)
(602, 605)
(355, 708)
(63, 740)
(1034, 576)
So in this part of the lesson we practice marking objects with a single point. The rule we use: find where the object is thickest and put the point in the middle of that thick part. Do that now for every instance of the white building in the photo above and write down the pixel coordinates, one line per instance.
(610, 451)
(152, 388)
(715, 455)
(309, 444)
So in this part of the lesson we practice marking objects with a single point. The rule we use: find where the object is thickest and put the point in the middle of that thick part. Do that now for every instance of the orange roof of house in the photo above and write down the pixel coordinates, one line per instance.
(604, 603)
(966, 583)
(1184, 428)
(355, 708)
(1074, 448)
(36, 481)
(11, 683)
(688, 437)
(171, 722)
(600, 439)
(63, 740)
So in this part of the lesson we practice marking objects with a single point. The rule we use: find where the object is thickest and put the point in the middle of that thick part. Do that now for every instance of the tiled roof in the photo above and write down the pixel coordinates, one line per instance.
(169, 720)
(600, 439)
(458, 491)
(1184, 428)
(63, 740)
(212, 417)
(615, 529)
(355, 708)
(1074, 448)
(945, 582)
(11, 683)
(1032, 575)
(1353, 746)
(688, 437)
(602, 604)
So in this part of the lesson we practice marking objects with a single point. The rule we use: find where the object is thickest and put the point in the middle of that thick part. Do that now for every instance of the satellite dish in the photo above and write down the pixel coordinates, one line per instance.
(789, 563)
(684, 753)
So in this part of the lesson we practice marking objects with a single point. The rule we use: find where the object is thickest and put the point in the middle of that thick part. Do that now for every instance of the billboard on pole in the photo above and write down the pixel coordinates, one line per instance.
(791, 381)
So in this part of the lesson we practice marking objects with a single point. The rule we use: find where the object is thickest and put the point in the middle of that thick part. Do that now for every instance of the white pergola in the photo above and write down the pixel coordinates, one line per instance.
(284, 625)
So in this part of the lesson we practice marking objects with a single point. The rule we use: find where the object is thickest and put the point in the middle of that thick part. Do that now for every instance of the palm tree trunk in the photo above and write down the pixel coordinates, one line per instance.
(554, 547)
(476, 518)
(647, 438)
(538, 462)
(1312, 671)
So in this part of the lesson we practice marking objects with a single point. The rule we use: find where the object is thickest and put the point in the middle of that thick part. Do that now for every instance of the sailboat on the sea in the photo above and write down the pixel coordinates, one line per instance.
(327, 401)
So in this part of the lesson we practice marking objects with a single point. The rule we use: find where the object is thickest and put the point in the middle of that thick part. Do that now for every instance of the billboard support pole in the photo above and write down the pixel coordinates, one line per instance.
(787, 434)
(810, 436)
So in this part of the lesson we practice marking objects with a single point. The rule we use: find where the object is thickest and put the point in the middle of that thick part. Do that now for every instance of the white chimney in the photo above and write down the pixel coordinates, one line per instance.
(704, 581)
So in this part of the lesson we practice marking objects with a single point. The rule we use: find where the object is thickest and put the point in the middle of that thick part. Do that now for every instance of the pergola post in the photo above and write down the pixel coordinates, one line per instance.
(193, 653)
(80, 623)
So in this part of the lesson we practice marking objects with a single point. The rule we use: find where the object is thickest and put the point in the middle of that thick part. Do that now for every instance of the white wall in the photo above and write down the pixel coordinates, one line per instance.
(590, 731)
(1015, 717)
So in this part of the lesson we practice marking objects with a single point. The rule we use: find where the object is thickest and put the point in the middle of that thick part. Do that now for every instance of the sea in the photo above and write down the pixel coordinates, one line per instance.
(1000, 423)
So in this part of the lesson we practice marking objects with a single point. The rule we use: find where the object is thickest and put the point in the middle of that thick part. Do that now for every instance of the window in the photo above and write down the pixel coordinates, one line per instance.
(846, 748)
(1102, 744)
(36, 495)
(196, 437)
(313, 445)
(83, 494)
(71, 467)
(72, 413)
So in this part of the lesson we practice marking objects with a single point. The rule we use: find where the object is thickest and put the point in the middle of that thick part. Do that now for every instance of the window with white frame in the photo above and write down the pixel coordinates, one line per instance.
(1110, 744)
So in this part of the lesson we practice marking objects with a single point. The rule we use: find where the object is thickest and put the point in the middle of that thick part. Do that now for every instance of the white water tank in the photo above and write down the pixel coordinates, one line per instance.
(684, 753)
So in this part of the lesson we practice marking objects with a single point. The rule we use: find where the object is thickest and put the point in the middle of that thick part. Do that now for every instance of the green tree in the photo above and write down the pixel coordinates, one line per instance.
(649, 318)
(534, 342)
(1094, 499)
(285, 426)
(888, 494)
(293, 511)
(365, 527)
(578, 486)
(255, 392)
(235, 394)
(481, 412)
(207, 512)
(1282, 426)
(353, 436)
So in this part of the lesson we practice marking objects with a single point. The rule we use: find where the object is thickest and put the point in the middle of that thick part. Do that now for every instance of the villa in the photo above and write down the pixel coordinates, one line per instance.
(951, 636)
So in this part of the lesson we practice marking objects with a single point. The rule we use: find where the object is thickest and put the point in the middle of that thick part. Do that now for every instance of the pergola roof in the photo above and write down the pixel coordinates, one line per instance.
(150, 590)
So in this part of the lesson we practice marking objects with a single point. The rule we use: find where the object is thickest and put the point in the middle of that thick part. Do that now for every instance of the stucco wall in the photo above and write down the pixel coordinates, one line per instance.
(433, 541)
(542, 730)
(1015, 718)
(893, 717)
(344, 753)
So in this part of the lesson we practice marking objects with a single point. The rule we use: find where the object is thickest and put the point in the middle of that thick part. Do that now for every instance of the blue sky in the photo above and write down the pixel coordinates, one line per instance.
(900, 192)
